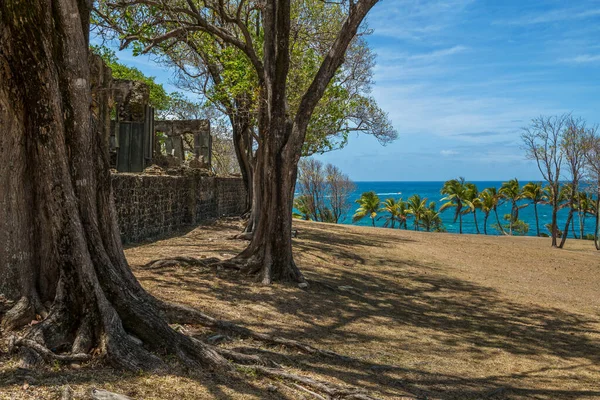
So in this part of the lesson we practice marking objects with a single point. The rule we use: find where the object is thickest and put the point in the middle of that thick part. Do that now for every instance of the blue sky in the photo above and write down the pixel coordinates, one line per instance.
(459, 78)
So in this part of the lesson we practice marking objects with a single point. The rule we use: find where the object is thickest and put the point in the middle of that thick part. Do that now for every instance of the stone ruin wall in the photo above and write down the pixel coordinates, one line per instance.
(149, 206)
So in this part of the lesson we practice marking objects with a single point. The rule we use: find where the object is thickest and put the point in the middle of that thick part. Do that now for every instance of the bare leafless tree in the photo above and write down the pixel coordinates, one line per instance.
(592, 156)
(573, 149)
(542, 143)
(340, 189)
(325, 190)
(312, 184)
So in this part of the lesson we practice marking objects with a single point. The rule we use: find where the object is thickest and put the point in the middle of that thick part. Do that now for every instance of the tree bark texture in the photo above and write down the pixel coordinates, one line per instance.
(61, 256)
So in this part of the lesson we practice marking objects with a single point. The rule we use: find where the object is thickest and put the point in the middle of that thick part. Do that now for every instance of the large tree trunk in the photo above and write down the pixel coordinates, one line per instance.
(61, 255)
(269, 255)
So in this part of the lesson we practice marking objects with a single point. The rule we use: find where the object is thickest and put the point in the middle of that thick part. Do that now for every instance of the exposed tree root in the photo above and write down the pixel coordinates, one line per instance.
(23, 312)
(243, 236)
(314, 394)
(48, 355)
(335, 391)
(190, 351)
(190, 261)
(177, 313)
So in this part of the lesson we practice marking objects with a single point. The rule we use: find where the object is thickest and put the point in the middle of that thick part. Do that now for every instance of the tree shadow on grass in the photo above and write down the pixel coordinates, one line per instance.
(463, 319)
(460, 317)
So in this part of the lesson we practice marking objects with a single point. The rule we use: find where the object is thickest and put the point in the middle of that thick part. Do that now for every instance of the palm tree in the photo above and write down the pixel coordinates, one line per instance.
(497, 201)
(431, 218)
(564, 202)
(488, 202)
(456, 196)
(302, 207)
(585, 206)
(391, 207)
(403, 214)
(535, 193)
(473, 198)
(369, 205)
(417, 207)
(511, 191)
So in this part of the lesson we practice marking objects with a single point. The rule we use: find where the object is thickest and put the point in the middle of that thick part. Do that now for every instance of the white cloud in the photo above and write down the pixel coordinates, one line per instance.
(583, 59)
(437, 54)
(552, 16)
(447, 153)
(416, 19)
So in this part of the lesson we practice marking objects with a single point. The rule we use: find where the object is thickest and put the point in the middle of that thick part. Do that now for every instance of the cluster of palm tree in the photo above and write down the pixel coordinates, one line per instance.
(397, 212)
(465, 198)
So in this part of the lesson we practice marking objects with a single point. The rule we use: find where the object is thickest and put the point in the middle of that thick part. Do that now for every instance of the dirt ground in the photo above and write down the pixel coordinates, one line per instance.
(423, 315)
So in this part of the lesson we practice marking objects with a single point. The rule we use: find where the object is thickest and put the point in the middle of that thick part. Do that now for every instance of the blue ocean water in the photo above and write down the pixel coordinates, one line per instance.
(431, 190)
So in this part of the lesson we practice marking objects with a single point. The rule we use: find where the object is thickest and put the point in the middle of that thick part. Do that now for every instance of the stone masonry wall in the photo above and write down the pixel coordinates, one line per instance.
(153, 205)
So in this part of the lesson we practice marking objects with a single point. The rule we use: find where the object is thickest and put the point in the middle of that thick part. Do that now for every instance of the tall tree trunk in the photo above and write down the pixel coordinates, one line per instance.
(498, 221)
(581, 223)
(554, 225)
(475, 220)
(563, 239)
(61, 254)
(537, 219)
(573, 228)
(485, 218)
(242, 144)
(597, 225)
(269, 255)
(460, 223)
(512, 219)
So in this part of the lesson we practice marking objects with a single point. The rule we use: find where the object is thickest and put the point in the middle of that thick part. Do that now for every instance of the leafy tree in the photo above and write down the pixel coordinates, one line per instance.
(585, 206)
(474, 204)
(488, 201)
(535, 193)
(266, 37)
(391, 207)
(512, 192)
(403, 214)
(417, 206)
(369, 206)
(303, 205)
(159, 99)
(431, 219)
(457, 197)
(223, 65)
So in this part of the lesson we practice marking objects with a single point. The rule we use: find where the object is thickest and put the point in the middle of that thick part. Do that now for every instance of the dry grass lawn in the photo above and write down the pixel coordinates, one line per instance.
(424, 315)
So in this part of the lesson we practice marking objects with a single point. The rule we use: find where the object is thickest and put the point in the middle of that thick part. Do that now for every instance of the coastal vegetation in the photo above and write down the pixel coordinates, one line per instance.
(464, 198)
